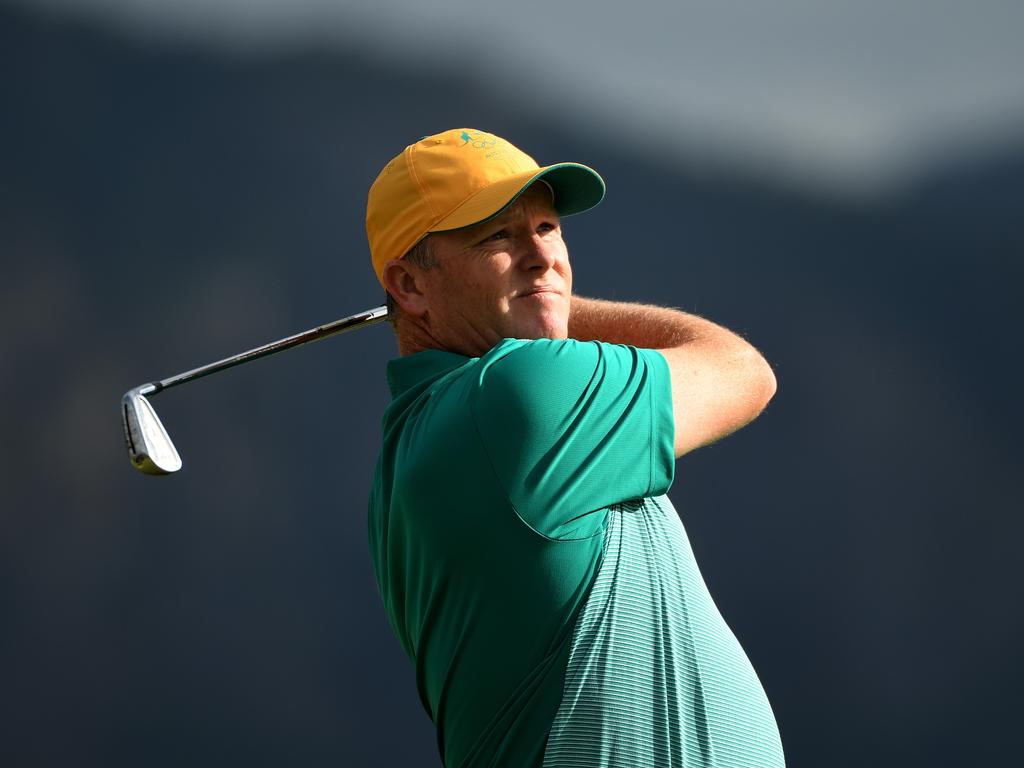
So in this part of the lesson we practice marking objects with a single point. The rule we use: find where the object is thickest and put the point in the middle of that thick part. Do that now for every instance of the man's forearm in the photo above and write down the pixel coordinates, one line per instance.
(640, 325)
(719, 381)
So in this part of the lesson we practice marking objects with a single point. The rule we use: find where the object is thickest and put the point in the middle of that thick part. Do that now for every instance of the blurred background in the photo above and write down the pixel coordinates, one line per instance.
(841, 183)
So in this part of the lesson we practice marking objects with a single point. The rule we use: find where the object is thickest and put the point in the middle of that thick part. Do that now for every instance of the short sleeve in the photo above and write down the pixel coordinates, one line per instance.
(572, 427)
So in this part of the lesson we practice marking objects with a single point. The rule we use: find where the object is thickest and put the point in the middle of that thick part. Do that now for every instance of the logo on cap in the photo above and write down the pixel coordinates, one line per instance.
(478, 140)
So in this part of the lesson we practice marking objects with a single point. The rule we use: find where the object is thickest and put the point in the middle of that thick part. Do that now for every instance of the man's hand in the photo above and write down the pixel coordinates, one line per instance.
(719, 381)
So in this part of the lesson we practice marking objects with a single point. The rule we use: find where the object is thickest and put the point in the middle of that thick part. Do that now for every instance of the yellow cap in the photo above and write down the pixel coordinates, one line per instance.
(459, 178)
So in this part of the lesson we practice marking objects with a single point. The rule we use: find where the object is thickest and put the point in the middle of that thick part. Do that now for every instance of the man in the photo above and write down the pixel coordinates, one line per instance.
(530, 563)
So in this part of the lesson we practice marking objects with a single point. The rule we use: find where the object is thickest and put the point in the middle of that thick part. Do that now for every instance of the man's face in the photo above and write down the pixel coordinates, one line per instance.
(506, 278)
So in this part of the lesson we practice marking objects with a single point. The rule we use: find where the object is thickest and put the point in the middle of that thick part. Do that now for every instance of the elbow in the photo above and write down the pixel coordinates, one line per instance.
(761, 382)
(769, 384)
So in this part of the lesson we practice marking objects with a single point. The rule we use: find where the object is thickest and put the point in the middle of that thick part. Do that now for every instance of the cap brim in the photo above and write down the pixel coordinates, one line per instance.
(576, 188)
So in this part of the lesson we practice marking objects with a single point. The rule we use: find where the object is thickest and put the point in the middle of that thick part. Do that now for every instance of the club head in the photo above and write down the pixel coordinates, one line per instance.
(149, 448)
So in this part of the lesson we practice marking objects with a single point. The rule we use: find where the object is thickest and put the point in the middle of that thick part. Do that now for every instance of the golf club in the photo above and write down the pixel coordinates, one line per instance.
(150, 448)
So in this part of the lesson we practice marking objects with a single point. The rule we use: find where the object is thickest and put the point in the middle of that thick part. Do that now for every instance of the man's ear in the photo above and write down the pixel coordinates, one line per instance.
(402, 281)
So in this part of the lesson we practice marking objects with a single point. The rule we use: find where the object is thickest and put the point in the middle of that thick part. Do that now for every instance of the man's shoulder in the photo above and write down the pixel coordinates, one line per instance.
(527, 353)
(523, 378)
(548, 376)
(549, 362)
(528, 364)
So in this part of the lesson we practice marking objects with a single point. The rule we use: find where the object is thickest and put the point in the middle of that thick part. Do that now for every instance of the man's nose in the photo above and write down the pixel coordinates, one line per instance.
(539, 253)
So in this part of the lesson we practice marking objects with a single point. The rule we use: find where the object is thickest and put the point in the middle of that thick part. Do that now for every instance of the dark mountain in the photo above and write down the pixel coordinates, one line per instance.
(161, 207)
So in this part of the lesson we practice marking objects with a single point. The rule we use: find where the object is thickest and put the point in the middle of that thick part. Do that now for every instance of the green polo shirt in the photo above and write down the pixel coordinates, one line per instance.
(535, 573)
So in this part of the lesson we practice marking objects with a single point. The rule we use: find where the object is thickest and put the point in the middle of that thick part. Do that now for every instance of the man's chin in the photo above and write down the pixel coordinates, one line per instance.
(544, 322)
(553, 331)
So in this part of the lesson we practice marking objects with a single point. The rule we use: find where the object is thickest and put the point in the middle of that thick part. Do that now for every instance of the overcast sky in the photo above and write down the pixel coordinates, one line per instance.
(858, 94)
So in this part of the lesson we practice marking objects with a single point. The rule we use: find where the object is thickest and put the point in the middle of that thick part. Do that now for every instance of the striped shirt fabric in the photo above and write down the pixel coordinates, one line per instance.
(655, 677)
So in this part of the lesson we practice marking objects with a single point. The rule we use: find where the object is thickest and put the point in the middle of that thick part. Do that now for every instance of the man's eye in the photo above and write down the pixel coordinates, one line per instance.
(501, 234)
(545, 228)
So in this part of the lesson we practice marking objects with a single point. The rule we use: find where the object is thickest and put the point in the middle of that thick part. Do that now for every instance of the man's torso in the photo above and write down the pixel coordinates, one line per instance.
(536, 574)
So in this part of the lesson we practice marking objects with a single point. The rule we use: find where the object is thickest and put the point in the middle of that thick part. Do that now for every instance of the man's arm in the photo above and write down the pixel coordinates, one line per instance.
(719, 381)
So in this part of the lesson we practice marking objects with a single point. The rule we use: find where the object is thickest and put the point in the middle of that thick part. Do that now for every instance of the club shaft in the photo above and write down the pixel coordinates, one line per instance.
(359, 320)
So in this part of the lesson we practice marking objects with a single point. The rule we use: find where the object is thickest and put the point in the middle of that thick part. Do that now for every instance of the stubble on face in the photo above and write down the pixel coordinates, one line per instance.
(508, 277)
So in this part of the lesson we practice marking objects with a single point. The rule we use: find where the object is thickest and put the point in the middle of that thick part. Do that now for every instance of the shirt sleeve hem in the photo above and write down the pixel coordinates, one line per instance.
(663, 427)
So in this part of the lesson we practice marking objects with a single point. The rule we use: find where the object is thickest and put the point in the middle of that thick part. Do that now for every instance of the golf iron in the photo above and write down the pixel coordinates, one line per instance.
(150, 448)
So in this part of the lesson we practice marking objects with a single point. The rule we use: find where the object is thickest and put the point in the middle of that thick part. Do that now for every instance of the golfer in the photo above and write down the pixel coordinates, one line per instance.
(529, 559)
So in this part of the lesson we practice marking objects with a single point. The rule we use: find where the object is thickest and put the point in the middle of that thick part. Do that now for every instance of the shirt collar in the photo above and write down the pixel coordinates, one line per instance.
(406, 372)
